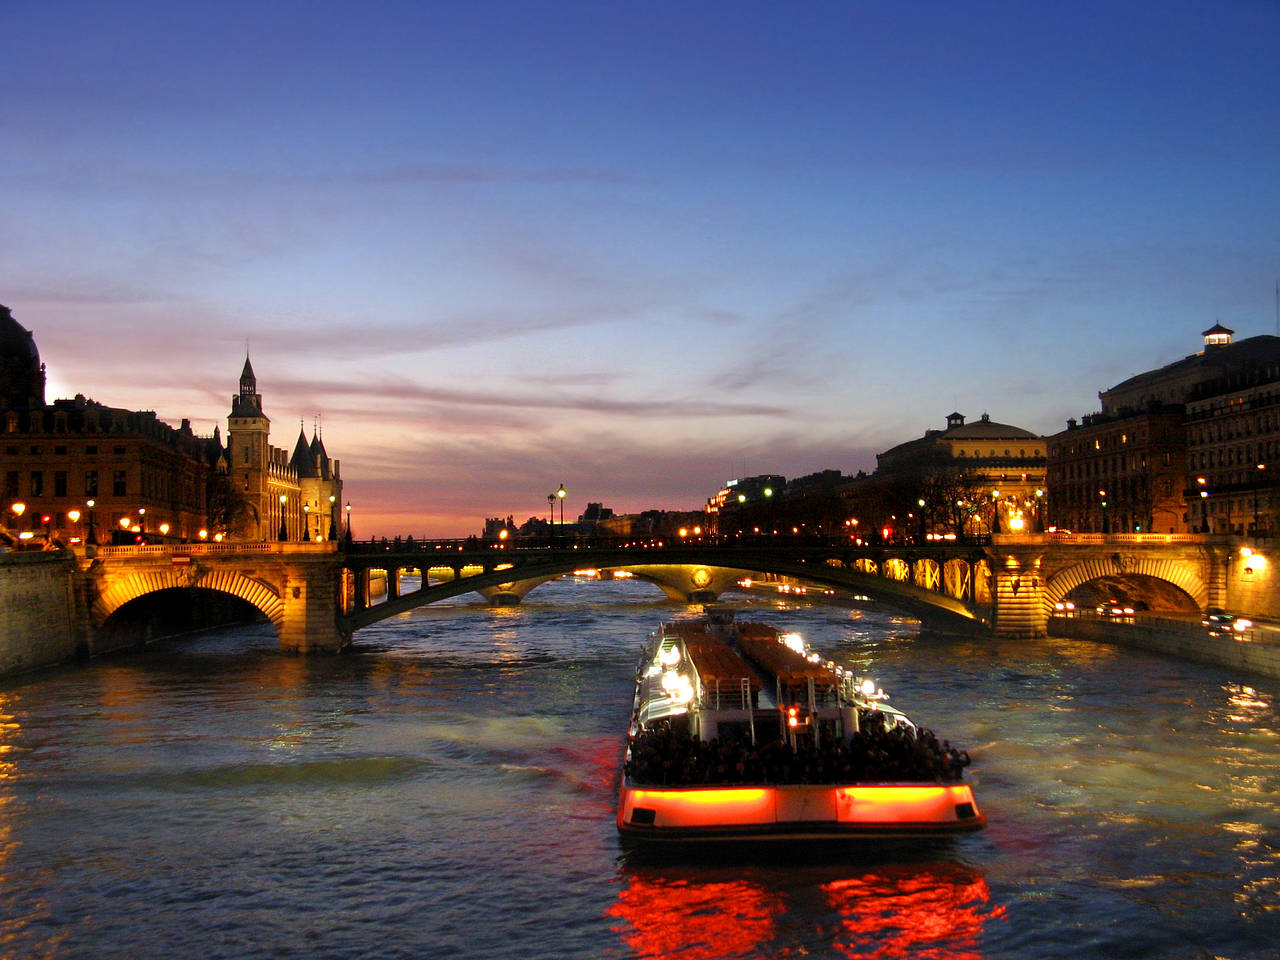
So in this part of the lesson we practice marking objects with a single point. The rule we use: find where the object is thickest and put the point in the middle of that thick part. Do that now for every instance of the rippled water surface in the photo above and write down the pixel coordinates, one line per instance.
(448, 791)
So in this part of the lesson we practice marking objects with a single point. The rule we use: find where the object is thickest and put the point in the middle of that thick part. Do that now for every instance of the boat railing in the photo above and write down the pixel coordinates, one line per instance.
(727, 694)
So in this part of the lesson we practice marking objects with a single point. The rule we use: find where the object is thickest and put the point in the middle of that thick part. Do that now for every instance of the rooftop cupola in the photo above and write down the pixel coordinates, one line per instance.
(1217, 336)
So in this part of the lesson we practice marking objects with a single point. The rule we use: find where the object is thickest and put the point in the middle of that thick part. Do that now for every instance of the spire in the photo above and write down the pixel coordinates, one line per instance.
(247, 403)
(248, 382)
(302, 461)
(319, 456)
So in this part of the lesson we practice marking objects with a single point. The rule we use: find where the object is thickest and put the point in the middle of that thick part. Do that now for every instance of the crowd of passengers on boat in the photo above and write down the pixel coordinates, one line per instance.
(663, 754)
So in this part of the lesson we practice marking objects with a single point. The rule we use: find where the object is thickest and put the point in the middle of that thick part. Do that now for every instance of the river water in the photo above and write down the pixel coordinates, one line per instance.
(448, 791)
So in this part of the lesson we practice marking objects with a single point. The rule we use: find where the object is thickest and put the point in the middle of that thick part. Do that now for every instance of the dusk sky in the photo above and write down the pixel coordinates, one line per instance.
(634, 248)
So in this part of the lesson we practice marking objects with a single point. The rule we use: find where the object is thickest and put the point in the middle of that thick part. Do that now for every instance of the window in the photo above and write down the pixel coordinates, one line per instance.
(37, 483)
(11, 483)
(119, 484)
(59, 483)
(118, 451)
(60, 450)
(91, 483)
(91, 450)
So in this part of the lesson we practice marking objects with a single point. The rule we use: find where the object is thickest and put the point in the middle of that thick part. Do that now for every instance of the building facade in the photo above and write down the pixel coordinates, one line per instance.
(77, 471)
(970, 479)
(1187, 447)
(283, 496)
(1119, 474)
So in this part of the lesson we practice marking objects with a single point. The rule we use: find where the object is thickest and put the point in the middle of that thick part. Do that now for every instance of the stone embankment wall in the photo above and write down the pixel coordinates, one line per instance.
(1253, 652)
(37, 622)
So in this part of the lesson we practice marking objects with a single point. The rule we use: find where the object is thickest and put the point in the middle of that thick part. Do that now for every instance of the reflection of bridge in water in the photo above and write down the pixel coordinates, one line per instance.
(318, 596)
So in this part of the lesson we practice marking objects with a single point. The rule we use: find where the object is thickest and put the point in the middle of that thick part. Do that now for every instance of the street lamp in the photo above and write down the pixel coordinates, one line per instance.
(1102, 494)
(562, 493)
(306, 522)
(93, 538)
(74, 517)
(348, 508)
(284, 530)
(1258, 483)
(18, 509)
(1204, 505)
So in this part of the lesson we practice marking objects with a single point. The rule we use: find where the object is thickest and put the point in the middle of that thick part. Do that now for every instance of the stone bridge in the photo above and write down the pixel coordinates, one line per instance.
(317, 596)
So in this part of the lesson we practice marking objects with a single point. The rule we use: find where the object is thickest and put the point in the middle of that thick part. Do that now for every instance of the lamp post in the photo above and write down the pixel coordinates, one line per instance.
(551, 520)
(1204, 505)
(920, 506)
(18, 509)
(348, 508)
(1102, 494)
(93, 535)
(995, 511)
(1257, 483)
(284, 530)
(333, 533)
(74, 517)
(561, 494)
(306, 522)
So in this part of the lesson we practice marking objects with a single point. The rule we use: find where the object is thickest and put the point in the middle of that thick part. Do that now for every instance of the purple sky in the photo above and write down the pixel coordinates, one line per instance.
(630, 248)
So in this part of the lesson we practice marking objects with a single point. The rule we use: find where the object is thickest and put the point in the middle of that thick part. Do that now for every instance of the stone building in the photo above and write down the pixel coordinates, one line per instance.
(969, 479)
(77, 470)
(1119, 474)
(285, 497)
(1210, 415)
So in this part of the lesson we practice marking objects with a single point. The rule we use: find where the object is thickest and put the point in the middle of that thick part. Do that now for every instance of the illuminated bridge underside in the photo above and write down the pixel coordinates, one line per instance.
(260, 595)
(936, 588)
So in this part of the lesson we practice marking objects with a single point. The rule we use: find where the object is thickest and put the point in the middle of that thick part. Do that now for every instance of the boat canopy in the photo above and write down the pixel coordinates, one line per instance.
(715, 661)
(777, 659)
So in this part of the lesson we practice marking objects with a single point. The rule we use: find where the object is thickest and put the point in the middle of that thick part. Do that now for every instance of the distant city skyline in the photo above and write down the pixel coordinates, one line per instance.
(633, 250)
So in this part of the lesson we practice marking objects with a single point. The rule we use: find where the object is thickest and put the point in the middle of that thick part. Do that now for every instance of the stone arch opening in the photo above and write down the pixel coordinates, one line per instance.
(1142, 592)
(1154, 585)
(173, 612)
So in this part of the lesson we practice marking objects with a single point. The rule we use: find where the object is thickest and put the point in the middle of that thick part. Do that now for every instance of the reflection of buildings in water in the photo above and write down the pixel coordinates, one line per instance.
(934, 911)
(911, 910)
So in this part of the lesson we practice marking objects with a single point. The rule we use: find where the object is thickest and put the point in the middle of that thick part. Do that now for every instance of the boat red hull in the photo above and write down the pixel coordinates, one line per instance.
(798, 811)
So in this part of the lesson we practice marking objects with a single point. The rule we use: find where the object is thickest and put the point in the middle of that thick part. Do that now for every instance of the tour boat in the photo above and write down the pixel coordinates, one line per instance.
(738, 731)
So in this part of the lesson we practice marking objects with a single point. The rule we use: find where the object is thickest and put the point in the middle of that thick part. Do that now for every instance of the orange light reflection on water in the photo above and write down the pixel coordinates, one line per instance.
(933, 912)
(922, 911)
(682, 920)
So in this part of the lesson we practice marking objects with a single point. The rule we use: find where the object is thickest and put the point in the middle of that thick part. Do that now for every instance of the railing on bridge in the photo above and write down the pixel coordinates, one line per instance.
(206, 549)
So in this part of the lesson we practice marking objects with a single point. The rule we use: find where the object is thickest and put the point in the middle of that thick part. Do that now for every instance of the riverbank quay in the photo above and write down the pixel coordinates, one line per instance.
(1254, 651)
(37, 610)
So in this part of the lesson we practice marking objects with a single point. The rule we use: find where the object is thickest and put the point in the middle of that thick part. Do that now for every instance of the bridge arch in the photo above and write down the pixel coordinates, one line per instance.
(1135, 572)
(265, 598)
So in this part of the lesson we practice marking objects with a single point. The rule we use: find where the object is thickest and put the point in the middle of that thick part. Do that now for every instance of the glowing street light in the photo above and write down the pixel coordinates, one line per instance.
(284, 531)
(561, 494)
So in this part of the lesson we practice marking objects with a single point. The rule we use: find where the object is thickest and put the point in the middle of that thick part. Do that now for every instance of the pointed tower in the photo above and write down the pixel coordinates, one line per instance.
(248, 429)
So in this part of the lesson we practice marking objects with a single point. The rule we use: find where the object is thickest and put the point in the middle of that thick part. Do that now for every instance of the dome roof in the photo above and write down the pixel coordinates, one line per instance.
(988, 429)
(16, 341)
